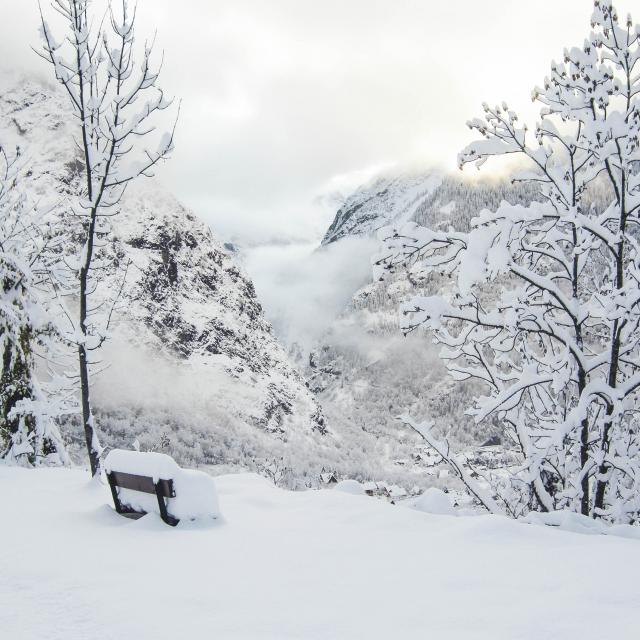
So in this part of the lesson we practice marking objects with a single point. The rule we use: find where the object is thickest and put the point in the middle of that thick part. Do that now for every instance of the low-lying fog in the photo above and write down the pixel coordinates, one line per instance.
(304, 286)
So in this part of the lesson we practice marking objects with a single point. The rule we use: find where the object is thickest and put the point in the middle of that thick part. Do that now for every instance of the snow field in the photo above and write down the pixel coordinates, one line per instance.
(305, 565)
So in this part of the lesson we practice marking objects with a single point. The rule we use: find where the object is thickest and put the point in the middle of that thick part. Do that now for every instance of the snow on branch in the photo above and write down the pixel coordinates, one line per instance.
(544, 304)
(114, 93)
(442, 448)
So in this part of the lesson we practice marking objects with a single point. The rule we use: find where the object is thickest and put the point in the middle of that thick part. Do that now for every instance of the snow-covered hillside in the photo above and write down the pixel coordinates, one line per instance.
(381, 200)
(429, 198)
(364, 371)
(194, 367)
(313, 564)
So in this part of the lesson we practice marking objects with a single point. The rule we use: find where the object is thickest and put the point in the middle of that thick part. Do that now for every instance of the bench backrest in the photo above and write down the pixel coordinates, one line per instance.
(161, 489)
(143, 483)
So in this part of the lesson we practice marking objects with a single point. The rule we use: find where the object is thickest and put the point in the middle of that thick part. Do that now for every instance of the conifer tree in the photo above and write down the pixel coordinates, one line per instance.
(28, 430)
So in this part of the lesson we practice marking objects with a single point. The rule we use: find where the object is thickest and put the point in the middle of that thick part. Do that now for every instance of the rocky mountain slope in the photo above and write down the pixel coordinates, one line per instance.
(429, 198)
(375, 203)
(194, 368)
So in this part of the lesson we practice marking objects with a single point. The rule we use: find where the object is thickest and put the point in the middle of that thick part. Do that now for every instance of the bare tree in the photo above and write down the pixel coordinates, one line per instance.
(546, 311)
(115, 98)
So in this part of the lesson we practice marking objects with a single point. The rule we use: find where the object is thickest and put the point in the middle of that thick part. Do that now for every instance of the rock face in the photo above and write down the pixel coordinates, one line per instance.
(200, 309)
(195, 369)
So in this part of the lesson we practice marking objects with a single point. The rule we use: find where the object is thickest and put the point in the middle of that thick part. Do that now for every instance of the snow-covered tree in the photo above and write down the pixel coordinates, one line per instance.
(28, 430)
(546, 307)
(115, 98)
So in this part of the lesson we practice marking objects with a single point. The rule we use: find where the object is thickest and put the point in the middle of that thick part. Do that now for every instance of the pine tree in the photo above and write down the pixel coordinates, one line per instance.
(28, 431)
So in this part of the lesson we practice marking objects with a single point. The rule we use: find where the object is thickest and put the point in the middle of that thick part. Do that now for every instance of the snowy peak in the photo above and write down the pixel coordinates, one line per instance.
(429, 198)
(382, 201)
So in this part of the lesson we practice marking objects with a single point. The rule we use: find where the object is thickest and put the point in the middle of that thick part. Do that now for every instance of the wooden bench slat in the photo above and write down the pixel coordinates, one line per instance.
(143, 483)
(161, 489)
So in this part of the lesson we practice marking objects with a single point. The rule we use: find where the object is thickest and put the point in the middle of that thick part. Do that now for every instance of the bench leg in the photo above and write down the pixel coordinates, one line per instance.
(114, 493)
(170, 520)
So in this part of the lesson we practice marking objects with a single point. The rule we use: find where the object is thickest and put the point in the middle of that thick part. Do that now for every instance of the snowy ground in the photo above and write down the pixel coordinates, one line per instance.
(308, 565)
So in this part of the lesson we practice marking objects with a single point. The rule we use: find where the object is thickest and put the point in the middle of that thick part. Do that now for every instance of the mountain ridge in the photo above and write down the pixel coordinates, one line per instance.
(185, 302)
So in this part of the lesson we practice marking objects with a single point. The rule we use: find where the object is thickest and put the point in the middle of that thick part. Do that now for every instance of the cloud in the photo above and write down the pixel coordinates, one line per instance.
(136, 377)
(304, 288)
(278, 97)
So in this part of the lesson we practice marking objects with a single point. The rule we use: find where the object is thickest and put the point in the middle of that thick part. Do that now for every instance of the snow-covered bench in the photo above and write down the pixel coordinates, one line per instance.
(134, 477)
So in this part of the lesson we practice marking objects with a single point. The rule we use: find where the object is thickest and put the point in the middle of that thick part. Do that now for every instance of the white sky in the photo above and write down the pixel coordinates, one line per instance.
(284, 97)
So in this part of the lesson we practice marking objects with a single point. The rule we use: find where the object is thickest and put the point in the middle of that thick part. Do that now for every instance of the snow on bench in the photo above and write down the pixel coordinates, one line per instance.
(145, 482)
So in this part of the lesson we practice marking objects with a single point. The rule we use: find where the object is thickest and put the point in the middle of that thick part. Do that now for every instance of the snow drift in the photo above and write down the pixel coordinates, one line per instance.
(313, 564)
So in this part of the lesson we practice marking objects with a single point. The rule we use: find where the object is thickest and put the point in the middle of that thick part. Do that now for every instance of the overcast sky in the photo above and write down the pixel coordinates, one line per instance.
(281, 99)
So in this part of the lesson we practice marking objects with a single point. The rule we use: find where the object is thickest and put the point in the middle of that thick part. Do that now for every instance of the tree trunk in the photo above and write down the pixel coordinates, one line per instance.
(87, 418)
(90, 435)
(604, 470)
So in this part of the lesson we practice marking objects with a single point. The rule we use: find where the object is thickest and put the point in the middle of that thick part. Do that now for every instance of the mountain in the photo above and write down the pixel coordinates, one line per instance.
(194, 369)
(193, 366)
(364, 371)
(384, 198)
(427, 197)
